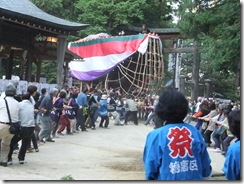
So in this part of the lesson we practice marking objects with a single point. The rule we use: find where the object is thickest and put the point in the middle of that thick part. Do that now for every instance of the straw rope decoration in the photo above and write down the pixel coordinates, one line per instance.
(139, 75)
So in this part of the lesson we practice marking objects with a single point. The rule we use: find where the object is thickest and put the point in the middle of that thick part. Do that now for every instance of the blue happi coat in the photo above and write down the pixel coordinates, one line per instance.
(102, 109)
(176, 152)
(232, 165)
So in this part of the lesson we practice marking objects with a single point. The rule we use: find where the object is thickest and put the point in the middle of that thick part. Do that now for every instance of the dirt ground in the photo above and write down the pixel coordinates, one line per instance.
(101, 154)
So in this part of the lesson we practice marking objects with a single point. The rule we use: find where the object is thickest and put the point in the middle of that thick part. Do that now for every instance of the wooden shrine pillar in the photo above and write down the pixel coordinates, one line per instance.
(195, 71)
(182, 84)
(61, 48)
(9, 64)
(66, 67)
(38, 70)
(29, 61)
(207, 88)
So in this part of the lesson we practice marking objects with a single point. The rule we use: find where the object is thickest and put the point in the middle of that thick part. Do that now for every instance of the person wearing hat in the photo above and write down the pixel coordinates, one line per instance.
(103, 112)
(5, 135)
(82, 101)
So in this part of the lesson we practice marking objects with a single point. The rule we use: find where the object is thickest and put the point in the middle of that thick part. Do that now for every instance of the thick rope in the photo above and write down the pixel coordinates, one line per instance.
(146, 73)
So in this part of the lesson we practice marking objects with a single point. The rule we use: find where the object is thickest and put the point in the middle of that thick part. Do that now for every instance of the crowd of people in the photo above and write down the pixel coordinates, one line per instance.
(211, 119)
(45, 116)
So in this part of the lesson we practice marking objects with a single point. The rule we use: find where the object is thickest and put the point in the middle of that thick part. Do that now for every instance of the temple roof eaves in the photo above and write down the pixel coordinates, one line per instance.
(27, 10)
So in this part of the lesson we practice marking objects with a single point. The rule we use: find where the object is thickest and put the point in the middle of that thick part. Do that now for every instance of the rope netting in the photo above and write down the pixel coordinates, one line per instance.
(139, 75)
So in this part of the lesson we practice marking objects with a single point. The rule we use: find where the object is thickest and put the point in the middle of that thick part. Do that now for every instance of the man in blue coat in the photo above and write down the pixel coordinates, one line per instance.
(232, 165)
(175, 151)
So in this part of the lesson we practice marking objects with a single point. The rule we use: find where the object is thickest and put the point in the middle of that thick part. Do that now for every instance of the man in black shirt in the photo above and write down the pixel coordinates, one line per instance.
(93, 104)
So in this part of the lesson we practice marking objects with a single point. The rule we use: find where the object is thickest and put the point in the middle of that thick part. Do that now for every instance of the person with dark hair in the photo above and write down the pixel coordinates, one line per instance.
(219, 130)
(5, 135)
(68, 118)
(93, 105)
(203, 110)
(37, 106)
(32, 89)
(120, 108)
(81, 100)
(144, 29)
(71, 111)
(212, 124)
(205, 119)
(57, 108)
(147, 107)
(111, 101)
(152, 113)
(40, 98)
(26, 114)
(226, 138)
(37, 129)
(131, 110)
(45, 110)
(175, 151)
(232, 165)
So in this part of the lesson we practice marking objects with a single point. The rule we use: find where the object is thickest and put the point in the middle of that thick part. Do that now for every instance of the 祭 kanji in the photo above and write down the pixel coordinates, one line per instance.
(180, 142)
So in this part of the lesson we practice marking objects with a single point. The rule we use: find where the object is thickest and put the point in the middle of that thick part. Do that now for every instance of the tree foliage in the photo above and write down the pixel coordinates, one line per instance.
(109, 15)
(49, 71)
(218, 30)
(217, 25)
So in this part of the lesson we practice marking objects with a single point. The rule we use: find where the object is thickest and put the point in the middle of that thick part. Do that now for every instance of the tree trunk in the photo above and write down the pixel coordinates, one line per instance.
(195, 70)
(61, 48)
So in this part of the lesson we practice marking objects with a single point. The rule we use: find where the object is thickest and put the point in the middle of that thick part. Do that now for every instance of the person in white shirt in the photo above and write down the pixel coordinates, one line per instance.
(199, 101)
(111, 101)
(32, 89)
(131, 110)
(5, 135)
(26, 113)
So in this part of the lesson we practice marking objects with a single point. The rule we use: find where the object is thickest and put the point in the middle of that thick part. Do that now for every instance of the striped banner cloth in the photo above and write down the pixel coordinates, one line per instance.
(102, 54)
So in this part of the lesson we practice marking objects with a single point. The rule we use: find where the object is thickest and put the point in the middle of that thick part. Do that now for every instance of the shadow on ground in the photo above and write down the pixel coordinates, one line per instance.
(132, 164)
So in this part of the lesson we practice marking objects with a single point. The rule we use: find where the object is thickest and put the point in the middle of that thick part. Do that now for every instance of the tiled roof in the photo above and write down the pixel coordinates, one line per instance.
(156, 30)
(27, 10)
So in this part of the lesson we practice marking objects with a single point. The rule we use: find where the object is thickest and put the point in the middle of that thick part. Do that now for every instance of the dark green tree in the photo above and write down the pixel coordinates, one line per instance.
(109, 15)
(216, 24)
